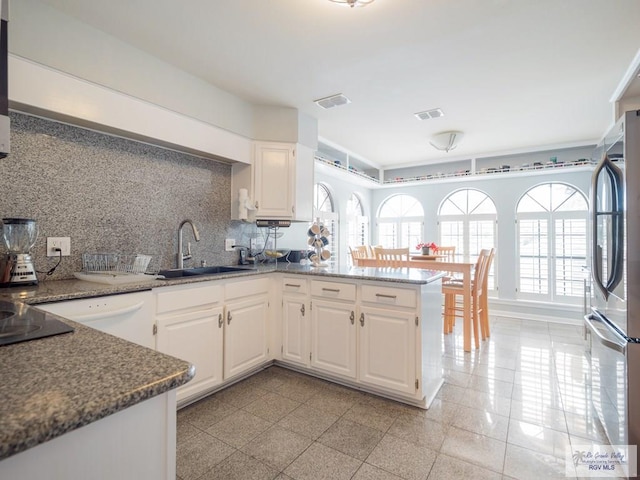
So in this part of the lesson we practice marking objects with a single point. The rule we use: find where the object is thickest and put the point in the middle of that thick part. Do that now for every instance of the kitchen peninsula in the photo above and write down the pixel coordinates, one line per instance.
(373, 329)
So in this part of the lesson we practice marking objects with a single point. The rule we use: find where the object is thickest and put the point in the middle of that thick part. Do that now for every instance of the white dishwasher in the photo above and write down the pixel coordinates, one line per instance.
(127, 315)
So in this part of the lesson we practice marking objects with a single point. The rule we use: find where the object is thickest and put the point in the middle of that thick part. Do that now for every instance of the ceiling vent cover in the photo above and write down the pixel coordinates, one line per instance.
(332, 101)
(428, 114)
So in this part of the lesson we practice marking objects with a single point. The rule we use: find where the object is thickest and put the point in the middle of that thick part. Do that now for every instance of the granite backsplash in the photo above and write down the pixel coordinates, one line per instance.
(111, 194)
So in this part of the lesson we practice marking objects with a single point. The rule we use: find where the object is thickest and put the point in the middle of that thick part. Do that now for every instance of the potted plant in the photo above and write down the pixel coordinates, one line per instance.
(427, 248)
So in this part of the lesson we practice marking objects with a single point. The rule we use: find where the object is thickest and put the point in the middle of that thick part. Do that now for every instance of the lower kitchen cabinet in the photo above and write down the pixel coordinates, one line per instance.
(295, 321)
(388, 348)
(189, 321)
(245, 335)
(333, 329)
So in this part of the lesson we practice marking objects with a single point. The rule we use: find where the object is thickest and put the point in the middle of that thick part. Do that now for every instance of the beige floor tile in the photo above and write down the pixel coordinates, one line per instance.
(525, 464)
(407, 460)
(240, 466)
(450, 468)
(240, 394)
(538, 414)
(199, 454)
(185, 430)
(277, 447)
(299, 390)
(371, 416)
(473, 448)
(420, 431)
(488, 401)
(206, 412)
(538, 438)
(351, 438)
(482, 422)
(320, 462)
(328, 401)
(369, 472)
(308, 421)
(272, 407)
(239, 428)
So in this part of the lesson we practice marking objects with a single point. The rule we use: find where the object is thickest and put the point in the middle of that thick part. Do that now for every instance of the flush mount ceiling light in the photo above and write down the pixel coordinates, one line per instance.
(352, 3)
(428, 114)
(332, 101)
(446, 141)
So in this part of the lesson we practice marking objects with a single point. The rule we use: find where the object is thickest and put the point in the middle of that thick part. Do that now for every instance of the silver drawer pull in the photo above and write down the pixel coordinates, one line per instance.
(291, 285)
(385, 296)
(332, 290)
(220, 320)
(229, 317)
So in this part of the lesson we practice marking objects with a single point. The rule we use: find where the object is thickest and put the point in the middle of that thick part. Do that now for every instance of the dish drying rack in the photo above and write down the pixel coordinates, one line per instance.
(116, 263)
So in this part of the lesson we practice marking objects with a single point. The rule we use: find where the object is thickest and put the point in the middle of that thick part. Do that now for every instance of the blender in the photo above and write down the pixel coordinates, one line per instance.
(16, 267)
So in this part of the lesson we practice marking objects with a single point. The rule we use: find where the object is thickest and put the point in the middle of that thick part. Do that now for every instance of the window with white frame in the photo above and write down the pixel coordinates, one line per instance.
(552, 221)
(400, 221)
(357, 223)
(467, 219)
(324, 210)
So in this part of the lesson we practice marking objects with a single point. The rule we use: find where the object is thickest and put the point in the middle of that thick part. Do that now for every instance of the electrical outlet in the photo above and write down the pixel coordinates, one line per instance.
(63, 243)
(228, 244)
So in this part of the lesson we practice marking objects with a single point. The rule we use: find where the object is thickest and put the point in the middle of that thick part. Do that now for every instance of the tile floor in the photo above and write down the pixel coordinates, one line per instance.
(508, 410)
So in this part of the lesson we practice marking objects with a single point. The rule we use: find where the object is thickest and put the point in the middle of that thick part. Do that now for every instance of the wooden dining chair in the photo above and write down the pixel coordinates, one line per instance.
(391, 257)
(447, 254)
(452, 289)
(361, 251)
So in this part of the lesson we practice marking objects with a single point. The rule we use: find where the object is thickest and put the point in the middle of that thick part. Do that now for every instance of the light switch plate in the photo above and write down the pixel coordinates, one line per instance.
(228, 244)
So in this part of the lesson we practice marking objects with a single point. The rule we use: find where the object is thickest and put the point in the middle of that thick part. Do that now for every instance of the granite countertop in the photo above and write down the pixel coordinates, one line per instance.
(56, 384)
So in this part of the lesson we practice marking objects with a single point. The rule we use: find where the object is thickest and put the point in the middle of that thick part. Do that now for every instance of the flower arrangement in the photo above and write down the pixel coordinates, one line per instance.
(426, 247)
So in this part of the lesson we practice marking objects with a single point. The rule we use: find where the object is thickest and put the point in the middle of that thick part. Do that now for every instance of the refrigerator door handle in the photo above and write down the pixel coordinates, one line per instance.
(619, 343)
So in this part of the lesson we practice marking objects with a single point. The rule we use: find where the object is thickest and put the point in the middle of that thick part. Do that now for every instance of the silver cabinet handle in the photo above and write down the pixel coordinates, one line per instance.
(332, 290)
(352, 317)
(362, 319)
(291, 285)
(385, 296)
(220, 321)
(302, 309)
(229, 317)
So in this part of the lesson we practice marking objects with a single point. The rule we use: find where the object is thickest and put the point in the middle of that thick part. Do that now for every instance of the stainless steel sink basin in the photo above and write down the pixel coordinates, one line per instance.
(191, 272)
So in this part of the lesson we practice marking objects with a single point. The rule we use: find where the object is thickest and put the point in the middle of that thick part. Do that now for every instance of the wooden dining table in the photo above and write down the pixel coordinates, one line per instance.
(464, 268)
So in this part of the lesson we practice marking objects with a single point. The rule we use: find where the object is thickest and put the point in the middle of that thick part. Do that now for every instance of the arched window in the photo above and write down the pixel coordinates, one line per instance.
(552, 243)
(357, 223)
(467, 220)
(400, 221)
(324, 210)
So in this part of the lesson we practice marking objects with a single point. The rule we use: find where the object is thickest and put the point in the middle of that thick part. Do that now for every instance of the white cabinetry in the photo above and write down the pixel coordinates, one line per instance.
(280, 181)
(333, 329)
(388, 331)
(295, 321)
(190, 321)
(246, 322)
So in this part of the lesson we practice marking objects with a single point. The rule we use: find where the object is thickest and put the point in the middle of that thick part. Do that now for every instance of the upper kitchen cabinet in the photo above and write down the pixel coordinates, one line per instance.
(279, 183)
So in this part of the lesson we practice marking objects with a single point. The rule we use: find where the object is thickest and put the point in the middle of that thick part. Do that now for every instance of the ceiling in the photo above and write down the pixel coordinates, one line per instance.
(513, 75)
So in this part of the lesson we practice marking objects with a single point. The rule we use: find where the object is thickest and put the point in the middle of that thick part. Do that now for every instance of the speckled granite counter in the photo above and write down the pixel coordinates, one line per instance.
(53, 385)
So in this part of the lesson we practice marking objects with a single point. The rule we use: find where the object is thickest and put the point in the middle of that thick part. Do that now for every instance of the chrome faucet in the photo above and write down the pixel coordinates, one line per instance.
(181, 257)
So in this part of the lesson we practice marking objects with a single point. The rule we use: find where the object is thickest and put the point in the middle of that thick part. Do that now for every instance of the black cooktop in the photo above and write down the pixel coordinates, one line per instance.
(20, 323)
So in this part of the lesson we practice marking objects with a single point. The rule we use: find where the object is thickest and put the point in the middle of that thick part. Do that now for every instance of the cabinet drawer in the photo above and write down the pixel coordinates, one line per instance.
(380, 295)
(187, 296)
(294, 285)
(335, 290)
(246, 288)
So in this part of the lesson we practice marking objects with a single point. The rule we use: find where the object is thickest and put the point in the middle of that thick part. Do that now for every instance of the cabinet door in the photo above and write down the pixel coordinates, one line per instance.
(333, 337)
(295, 332)
(387, 348)
(245, 336)
(274, 174)
(197, 338)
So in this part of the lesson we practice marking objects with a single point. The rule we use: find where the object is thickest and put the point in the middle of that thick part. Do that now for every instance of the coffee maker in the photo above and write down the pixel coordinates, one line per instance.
(16, 267)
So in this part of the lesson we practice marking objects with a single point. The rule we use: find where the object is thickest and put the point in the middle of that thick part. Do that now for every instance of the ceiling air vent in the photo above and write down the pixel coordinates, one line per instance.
(427, 114)
(332, 101)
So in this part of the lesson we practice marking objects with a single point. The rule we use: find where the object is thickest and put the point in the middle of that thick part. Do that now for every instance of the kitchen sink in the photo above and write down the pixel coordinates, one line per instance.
(192, 272)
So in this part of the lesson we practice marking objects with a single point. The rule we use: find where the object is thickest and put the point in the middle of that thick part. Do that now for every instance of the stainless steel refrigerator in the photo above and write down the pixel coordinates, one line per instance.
(612, 327)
